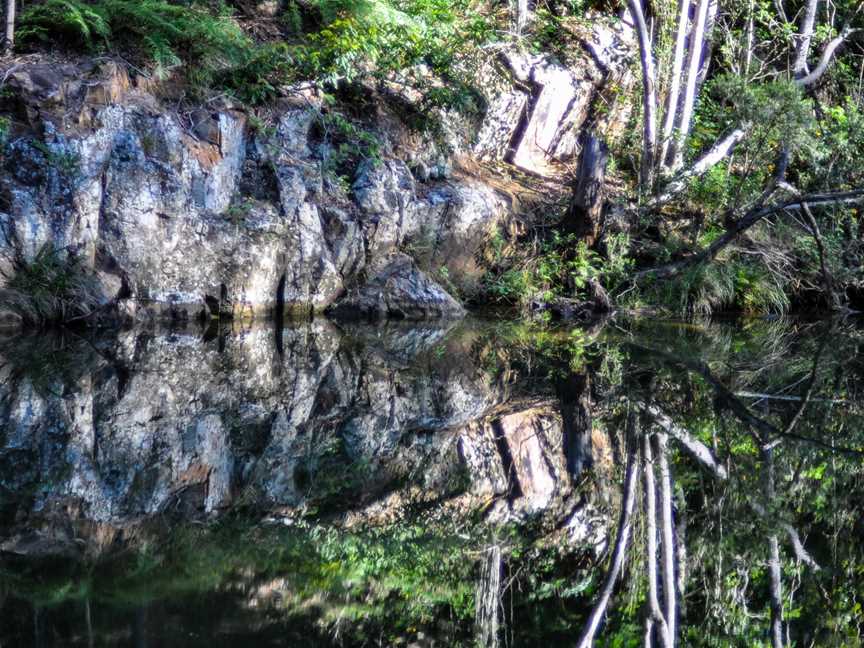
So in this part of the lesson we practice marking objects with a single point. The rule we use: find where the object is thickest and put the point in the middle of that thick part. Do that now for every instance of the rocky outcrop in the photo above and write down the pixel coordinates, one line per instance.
(200, 213)
(398, 291)
(183, 216)
(538, 106)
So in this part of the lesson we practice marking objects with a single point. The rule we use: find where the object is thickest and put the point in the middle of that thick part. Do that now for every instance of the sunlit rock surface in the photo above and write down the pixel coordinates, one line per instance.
(201, 213)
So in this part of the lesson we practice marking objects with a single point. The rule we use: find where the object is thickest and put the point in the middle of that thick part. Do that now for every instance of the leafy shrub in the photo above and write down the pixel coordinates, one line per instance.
(733, 284)
(564, 267)
(327, 41)
(345, 145)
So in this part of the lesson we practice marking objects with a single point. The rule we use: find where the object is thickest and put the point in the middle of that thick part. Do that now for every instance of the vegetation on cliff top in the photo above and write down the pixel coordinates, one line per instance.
(738, 179)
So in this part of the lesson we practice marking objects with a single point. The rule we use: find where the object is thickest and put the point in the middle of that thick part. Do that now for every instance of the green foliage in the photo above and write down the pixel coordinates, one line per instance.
(781, 117)
(735, 284)
(158, 31)
(66, 162)
(327, 41)
(53, 287)
(345, 145)
(563, 267)
(390, 581)
(5, 126)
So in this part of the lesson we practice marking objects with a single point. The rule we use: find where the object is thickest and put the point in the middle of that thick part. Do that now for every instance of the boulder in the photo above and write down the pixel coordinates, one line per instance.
(399, 290)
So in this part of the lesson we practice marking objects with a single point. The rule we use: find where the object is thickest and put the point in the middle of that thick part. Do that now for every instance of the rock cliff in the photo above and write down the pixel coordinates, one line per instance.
(198, 211)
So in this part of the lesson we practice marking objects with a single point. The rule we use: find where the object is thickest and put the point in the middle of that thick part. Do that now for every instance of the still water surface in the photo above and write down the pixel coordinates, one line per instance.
(485, 483)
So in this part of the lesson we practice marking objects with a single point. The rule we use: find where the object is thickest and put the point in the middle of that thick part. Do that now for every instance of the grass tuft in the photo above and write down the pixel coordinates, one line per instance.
(52, 288)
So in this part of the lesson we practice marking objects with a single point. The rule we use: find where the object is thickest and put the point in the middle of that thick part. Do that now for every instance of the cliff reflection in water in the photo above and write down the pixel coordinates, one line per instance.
(491, 484)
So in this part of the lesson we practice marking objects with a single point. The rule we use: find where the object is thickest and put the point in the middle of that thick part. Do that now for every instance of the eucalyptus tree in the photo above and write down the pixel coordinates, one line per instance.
(9, 38)
(667, 124)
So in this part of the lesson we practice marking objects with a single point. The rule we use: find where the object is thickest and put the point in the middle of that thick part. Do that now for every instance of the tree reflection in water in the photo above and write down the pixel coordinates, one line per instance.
(638, 483)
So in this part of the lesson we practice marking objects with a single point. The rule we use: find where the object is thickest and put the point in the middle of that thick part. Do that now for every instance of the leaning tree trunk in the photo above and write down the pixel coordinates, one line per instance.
(9, 39)
(585, 218)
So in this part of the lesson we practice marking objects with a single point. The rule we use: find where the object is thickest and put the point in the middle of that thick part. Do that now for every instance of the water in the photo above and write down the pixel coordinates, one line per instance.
(485, 483)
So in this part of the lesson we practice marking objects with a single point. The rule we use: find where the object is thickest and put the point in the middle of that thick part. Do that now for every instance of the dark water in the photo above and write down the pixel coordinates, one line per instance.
(490, 484)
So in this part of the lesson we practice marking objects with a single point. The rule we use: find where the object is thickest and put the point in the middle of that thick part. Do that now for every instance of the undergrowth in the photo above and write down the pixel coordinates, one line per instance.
(414, 43)
(559, 266)
(52, 288)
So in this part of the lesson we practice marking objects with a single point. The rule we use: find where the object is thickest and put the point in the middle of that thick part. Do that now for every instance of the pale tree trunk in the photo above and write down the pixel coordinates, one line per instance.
(649, 95)
(521, 14)
(805, 35)
(707, 41)
(774, 571)
(9, 39)
(826, 58)
(651, 559)
(694, 446)
(694, 61)
(670, 152)
(748, 53)
(622, 540)
(667, 535)
(675, 74)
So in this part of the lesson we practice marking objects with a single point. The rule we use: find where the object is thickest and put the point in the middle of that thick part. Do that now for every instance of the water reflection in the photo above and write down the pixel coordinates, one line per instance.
(485, 484)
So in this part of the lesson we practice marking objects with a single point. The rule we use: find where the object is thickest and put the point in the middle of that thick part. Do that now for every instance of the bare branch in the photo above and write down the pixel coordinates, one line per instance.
(715, 154)
(695, 447)
(827, 56)
(756, 214)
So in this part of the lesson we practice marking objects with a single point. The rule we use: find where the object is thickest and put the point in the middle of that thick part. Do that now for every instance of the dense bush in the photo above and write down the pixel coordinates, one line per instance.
(325, 41)
(156, 31)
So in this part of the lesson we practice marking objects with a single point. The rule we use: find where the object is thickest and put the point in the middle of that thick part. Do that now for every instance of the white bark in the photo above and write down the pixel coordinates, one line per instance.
(694, 59)
(707, 41)
(805, 35)
(649, 94)
(522, 14)
(667, 536)
(675, 75)
(825, 60)
(716, 154)
(651, 542)
(622, 540)
(9, 39)
(699, 450)
(748, 54)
